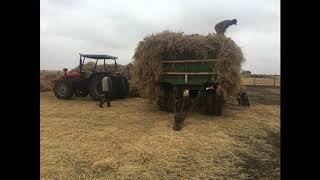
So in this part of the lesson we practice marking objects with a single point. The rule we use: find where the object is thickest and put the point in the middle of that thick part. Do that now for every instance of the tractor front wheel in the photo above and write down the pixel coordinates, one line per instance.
(62, 90)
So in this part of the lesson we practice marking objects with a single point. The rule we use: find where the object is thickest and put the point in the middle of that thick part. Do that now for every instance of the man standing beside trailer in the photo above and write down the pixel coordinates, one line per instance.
(106, 89)
(243, 99)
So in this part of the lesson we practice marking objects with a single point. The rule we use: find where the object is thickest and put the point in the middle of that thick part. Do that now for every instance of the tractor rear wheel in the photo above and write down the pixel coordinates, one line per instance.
(95, 88)
(62, 90)
(125, 87)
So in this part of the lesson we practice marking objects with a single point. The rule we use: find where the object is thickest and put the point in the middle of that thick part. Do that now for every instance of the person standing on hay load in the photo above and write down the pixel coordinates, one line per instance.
(106, 89)
(221, 27)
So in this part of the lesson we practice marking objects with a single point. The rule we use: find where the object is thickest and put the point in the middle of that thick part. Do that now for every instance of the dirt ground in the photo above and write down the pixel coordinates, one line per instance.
(133, 140)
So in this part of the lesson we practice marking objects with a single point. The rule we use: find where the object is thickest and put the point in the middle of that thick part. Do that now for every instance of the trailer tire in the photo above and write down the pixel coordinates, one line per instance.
(219, 107)
(170, 101)
(210, 102)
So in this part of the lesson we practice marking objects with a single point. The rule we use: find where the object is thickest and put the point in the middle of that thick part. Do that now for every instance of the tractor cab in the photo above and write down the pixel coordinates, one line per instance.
(88, 74)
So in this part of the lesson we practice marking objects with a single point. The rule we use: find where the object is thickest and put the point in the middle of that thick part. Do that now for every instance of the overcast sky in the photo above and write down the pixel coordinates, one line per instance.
(68, 27)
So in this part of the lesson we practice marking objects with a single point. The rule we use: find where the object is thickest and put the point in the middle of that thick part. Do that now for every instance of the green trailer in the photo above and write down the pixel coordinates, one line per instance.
(185, 84)
(192, 73)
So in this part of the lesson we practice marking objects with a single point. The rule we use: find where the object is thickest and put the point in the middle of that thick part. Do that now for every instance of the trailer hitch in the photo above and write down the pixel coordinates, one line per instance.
(182, 107)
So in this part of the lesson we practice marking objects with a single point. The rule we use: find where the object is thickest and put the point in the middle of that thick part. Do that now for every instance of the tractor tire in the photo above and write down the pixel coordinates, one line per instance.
(63, 90)
(118, 88)
(125, 87)
(95, 88)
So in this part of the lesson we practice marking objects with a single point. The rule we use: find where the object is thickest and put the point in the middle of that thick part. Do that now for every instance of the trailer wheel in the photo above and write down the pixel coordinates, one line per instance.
(95, 88)
(62, 90)
(219, 105)
(210, 102)
(171, 101)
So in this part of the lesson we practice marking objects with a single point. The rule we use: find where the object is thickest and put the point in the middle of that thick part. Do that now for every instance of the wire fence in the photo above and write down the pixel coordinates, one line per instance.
(261, 80)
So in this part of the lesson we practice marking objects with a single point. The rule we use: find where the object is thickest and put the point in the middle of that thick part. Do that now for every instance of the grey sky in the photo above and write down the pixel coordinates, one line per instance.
(68, 27)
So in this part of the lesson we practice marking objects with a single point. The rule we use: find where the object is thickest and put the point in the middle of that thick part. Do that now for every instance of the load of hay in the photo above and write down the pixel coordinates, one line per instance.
(89, 66)
(47, 78)
(169, 45)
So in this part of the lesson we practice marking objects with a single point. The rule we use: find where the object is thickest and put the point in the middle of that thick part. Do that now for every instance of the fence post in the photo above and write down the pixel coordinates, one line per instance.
(254, 80)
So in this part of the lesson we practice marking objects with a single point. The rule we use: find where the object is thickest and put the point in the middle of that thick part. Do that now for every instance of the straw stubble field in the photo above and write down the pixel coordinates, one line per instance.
(133, 140)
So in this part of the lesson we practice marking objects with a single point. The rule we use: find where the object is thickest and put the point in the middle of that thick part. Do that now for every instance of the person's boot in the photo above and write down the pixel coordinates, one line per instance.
(177, 126)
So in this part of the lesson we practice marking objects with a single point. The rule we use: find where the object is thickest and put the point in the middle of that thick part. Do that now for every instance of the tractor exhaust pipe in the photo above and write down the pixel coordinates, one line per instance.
(65, 71)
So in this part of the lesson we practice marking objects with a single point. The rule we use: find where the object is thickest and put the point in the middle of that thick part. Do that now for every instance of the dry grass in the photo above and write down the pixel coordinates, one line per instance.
(46, 79)
(133, 140)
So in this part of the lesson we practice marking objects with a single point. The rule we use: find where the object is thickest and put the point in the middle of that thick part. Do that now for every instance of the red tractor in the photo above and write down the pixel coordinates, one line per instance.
(82, 83)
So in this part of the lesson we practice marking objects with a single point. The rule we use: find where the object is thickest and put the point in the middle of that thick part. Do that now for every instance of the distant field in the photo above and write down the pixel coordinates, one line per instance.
(264, 81)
